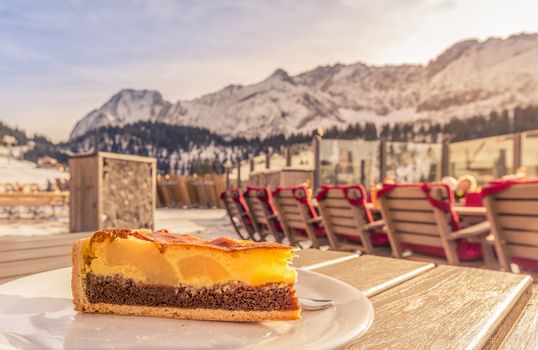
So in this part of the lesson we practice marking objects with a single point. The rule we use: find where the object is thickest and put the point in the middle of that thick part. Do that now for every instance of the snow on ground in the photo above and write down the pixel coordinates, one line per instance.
(24, 172)
(206, 223)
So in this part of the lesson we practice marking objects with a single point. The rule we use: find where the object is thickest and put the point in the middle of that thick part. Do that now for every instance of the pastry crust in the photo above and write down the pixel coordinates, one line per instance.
(82, 304)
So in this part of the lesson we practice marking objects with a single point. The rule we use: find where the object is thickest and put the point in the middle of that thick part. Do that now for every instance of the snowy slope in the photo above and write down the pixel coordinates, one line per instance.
(469, 78)
(126, 107)
(15, 171)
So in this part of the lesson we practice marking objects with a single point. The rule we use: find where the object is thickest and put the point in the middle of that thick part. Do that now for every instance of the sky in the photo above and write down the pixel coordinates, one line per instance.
(61, 59)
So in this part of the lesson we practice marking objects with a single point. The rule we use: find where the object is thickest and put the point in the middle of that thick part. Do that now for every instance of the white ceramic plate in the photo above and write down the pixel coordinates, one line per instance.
(36, 312)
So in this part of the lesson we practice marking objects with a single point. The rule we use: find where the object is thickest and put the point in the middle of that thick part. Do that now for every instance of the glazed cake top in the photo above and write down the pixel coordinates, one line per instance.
(165, 238)
(162, 258)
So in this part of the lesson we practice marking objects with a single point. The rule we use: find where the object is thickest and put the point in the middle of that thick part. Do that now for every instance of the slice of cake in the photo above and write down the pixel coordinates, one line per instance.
(137, 272)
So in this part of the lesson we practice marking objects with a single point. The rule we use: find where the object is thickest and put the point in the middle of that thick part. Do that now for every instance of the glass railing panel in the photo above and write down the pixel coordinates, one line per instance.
(277, 161)
(349, 161)
(413, 161)
(530, 152)
(485, 159)
(259, 162)
(302, 156)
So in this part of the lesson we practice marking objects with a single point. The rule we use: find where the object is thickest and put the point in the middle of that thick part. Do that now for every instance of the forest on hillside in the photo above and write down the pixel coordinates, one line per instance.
(195, 150)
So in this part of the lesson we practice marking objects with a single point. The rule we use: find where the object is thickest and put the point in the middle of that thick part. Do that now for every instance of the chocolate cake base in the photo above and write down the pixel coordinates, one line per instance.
(224, 296)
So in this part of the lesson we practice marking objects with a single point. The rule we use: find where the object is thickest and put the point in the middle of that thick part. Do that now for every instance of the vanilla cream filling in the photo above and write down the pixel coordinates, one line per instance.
(142, 261)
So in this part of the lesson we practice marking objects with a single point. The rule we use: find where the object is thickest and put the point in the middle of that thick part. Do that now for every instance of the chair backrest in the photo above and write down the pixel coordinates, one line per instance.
(238, 212)
(262, 212)
(512, 210)
(344, 213)
(295, 212)
(420, 217)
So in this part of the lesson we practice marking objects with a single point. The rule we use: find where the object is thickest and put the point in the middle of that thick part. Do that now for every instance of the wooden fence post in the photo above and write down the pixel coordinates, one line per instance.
(382, 160)
(287, 153)
(238, 173)
(445, 157)
(518, 151)
(317, 136)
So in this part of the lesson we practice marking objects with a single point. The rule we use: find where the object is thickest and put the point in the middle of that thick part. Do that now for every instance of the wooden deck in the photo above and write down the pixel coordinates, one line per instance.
(21, 256)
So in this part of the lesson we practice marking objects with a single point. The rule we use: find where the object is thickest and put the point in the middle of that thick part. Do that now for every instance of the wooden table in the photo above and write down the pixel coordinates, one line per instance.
(422, 306)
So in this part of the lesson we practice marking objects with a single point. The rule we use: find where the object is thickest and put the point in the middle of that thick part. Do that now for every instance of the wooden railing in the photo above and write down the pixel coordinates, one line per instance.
(11, 203)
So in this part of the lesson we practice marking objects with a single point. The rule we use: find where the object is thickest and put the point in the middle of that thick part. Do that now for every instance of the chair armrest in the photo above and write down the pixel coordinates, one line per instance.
(315, 220)
(481, 229)
(374, 225)
(272, 216)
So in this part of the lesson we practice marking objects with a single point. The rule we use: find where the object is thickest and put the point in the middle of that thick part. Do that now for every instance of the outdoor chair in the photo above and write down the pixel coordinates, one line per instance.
(238, 212)
(298, 217)
(420, 218)
(263, 213)
(348, 221)
(512, 211)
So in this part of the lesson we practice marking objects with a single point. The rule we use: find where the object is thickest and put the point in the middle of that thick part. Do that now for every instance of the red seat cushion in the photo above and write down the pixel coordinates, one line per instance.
(466, 251)
(377, 238)
(526, 264)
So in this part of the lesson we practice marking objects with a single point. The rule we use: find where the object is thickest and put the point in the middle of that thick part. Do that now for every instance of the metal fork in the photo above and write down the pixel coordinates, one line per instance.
(315, 304)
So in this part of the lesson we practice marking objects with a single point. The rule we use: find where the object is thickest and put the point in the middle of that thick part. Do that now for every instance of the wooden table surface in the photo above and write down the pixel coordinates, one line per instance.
(422, 306)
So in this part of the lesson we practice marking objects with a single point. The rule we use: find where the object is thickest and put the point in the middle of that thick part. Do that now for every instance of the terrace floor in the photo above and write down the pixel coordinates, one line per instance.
(206, 223)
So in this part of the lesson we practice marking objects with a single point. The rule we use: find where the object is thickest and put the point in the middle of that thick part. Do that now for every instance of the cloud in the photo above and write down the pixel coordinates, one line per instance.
(59, 59)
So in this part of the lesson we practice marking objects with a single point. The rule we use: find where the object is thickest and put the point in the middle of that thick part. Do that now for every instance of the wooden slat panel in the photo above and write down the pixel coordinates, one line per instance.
(373, 274)
(343, 221)
(416, 228)
(51, 238)
(291, 210)
(234, 211)
(416, 192)
(306, 257)
(524, 334)
(445, 308)
(521, 251)
(285, 194)
(29, 254)
(335, 194)
(258, 216)
(406, 192)
(409, 204)
(336, 203)
(529, 191)
(10, 244)
(516, 207)
(255, 204)
(419, 239)
(409, 216)
(261, 220)
(296, 224)
(340, 212)
(518, 222)
(521, 237)
(286, 201)
(25, 267)
(345, 230)
(292, 216)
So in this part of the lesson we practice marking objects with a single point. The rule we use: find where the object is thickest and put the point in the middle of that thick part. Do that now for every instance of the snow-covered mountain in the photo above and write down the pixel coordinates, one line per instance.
(469, 78)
